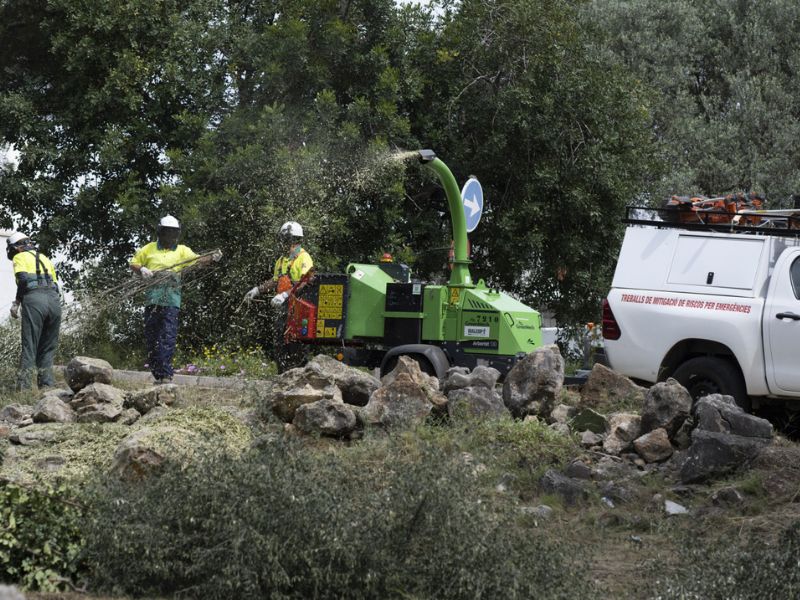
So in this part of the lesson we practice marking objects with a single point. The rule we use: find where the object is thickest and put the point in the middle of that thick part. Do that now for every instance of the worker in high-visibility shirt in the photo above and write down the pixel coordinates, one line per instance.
(164, 259)
(293, 270)
(38, 304)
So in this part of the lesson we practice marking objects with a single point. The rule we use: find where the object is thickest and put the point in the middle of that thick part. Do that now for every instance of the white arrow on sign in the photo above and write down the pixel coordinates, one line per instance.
(472, 205)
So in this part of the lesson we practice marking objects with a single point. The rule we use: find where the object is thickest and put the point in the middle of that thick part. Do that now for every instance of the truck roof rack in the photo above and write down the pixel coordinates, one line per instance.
(780, 223)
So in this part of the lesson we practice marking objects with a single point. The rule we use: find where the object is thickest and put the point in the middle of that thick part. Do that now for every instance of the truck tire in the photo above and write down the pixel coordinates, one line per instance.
(705, 375)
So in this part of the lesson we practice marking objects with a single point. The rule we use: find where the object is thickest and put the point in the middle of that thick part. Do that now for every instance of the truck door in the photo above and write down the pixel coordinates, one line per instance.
(782, 325)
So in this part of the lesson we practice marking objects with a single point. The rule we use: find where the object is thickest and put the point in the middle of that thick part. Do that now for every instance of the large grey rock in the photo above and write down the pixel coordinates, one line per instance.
(578, 469)
(654, 446)
(479, 401)
(561, 428)
(590, 439)
(16, 414)
(719, 413)
(666, 405)
(37, 435)
(562, 414)
(83, 370)
(97, 393)
(589, 420)
(533, 385)
(608, 389)
(325, 417)
(322, 378)
(286, 402)
(356, 386)
(623, 429)
(713, 454)
(159, 395)
(99, 413)
(129, 416)
(481, 376)
(402, 403)
(140, 453)
(51, 409)
(571, 490)
(683, 437)
(63, 395)
(98, 403)
(429, 384)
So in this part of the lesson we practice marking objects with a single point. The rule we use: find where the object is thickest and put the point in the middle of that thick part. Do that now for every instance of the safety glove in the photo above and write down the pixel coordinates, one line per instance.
(216, 256)
(279, 299)
(15, 309)
(145, 273)
(248, 297)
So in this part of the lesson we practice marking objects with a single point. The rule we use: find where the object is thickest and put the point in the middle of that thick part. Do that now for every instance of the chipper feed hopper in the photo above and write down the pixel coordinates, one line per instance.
(378, 312)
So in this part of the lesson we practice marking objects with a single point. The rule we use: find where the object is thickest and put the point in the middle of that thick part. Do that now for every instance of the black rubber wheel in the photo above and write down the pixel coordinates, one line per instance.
(705, 375)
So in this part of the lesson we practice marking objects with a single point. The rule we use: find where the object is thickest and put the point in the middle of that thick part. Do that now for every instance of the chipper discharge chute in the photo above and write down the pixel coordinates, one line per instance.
(376, 313)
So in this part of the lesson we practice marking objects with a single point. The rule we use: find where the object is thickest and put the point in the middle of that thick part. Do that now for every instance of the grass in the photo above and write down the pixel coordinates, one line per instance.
(88, 448)
(625, 545)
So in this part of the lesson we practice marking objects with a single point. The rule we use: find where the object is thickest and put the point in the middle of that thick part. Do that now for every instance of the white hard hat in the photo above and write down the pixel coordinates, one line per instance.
(169, 221)
(291, 228)
(15, 238)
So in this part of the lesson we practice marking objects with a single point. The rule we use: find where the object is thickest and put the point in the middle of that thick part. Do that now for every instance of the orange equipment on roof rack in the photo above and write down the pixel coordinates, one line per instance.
(718, 210)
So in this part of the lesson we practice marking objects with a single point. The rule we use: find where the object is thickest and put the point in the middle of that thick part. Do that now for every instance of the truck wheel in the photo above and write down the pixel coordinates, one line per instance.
(711, 375)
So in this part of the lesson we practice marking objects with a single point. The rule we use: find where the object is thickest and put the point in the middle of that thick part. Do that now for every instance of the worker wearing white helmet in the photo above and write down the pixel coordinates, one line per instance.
(292, 271)
(161, 262)
(38, 304)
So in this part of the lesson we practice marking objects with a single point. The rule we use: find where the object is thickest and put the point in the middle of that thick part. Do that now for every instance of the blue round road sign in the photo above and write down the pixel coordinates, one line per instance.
(472, 200)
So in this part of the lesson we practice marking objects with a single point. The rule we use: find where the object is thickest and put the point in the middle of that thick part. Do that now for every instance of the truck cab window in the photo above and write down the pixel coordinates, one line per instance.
(794, 272)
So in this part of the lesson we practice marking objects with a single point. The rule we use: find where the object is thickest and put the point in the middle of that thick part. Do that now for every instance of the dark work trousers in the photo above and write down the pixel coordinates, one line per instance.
(40, 312)
(161, 333)
(286, 356)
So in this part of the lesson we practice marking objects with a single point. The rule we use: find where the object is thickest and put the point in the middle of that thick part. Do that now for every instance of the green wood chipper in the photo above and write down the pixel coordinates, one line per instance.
(376, 313)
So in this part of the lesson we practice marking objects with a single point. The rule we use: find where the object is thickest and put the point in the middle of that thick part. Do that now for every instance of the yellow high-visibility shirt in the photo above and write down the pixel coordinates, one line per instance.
(157, 259)
(26, 275)
(295, 267)
(25, 262)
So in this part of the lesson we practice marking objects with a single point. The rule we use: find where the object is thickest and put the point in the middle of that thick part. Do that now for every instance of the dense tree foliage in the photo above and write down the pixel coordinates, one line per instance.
(237, 115)
(726, 93)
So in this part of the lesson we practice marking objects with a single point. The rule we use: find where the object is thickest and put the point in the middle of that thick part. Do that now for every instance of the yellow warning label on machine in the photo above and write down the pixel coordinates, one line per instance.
(330, 332)
(455, 294)
(331, 299)
(320, 328)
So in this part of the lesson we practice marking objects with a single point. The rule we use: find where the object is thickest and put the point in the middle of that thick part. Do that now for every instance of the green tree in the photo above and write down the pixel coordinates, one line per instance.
(94, 96)
(557, 135)
(726, 93)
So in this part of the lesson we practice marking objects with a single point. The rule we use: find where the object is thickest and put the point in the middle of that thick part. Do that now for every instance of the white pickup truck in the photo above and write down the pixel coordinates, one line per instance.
(719, 312)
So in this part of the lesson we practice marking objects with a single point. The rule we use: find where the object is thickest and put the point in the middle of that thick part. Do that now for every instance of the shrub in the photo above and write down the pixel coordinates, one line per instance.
(10, 348)
(40, 543)
(283, 523)
(723, 571)
(506, 447)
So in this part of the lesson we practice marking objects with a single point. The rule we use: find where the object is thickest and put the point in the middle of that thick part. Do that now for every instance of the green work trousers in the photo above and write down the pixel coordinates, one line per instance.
(41, 320)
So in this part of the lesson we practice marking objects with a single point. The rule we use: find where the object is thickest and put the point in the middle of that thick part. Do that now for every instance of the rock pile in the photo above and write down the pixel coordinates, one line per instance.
(327, 398)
